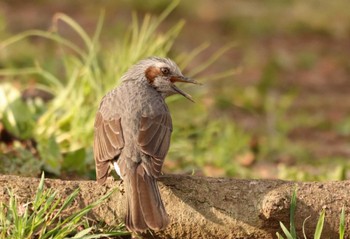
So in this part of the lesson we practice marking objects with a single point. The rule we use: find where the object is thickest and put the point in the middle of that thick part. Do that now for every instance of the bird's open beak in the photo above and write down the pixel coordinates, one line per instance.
(185, 80)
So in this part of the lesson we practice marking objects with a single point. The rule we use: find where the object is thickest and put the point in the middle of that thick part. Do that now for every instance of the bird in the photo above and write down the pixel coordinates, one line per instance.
(132, 133)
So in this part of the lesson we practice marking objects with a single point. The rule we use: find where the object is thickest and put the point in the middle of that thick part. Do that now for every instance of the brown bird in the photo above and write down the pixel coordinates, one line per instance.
(132, 131)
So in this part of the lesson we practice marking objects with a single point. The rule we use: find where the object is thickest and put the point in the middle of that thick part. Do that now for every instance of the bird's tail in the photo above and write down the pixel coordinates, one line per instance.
(145, 208)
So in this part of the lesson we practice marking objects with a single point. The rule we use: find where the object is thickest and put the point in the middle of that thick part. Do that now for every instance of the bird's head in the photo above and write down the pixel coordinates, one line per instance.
(161, 74)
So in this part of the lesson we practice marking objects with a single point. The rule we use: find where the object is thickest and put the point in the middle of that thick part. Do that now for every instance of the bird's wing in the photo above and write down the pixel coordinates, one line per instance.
(154, 139)
(108, 142)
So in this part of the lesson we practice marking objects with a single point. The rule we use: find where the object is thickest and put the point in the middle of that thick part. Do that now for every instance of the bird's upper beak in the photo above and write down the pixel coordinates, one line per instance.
(184, 79)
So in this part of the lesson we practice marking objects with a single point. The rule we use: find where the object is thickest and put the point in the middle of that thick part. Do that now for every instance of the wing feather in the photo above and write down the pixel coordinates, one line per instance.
(154, 139)
(108, 142)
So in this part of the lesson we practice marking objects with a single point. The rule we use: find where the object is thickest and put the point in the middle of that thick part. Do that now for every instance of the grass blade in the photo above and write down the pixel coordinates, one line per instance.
(305, 237)
(286, 232)
(82, 233)
(67, 202)
(319, 226)
(211, 59)
(172, 5)
(186, 58)
(74, 25)
(43, 34)
(39, 191)
(279, 236)
(293, 205)
(342, 224)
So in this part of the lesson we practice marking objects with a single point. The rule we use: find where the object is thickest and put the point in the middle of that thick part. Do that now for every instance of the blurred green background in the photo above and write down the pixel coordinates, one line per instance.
(274, 102)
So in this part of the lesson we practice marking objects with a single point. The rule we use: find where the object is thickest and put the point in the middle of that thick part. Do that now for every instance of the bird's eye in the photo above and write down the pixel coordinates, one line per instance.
(165, 70)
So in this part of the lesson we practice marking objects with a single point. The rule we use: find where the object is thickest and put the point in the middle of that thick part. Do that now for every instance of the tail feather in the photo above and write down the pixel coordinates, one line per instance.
(134, 220)
(145, 207)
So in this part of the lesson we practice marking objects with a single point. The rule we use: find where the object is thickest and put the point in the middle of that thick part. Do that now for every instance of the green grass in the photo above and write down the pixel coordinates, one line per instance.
(18, 160)
(43, 217)
(219, 144)
(291, 232)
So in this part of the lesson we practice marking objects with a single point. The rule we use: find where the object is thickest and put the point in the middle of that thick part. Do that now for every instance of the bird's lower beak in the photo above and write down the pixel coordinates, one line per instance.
(175, 88)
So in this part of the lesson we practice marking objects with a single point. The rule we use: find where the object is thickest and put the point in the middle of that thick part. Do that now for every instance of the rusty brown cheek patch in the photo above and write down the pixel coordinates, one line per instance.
(151, 73)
